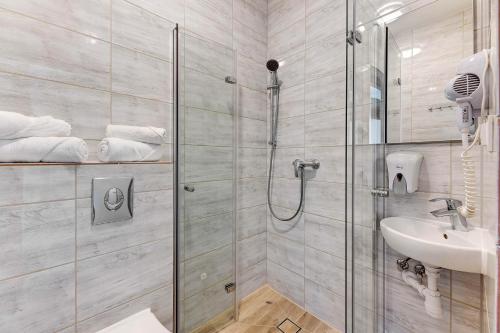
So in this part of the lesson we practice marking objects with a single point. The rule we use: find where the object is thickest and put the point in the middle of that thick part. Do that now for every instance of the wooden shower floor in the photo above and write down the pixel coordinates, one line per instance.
(266, 311)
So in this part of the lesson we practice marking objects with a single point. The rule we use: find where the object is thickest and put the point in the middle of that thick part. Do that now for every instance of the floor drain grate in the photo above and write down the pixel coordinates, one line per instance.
(288, 326)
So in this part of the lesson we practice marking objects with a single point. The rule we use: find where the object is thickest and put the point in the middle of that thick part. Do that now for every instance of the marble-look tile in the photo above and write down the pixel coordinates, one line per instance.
(287, 42)
(325, 94)
(208, 128)
(147, 177)
(248, 14)
(42, 52)
(283, 13)
(152, 221)
(314, 5)
(250, 279)
(249, 42)
(325, 234)
(292, 101)
(292, 230)
(136, 111)
(289, 284)
(251, 221)
(325, 199)
(326, 57)
(209, 58)
(466, 288)
(206, 163)
(36, 236)
(138, 29)
(324, 304)
(251, 251)
(291, 132)
(202, 307)
(207, 269)
(252, 162)
(326, 22)
(251, 74)
(88, 17)
(107, 281)
(325, 128)
(207, 234)
(332, 161)
(140, 75)
(172, 10)
(73, 104)
(200, 19)
(31, 184)
(252, 103)
(251, 192)
(159, 301)
(39, 302)
(325, 270)
(252, 133)
(209, 198)
(287, 253)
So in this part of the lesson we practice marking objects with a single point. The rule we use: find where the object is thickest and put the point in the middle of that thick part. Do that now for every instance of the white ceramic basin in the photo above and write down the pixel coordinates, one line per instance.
(435, 243)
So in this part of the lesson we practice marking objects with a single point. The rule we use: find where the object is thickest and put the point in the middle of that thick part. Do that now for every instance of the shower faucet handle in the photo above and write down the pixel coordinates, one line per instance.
(301, 164)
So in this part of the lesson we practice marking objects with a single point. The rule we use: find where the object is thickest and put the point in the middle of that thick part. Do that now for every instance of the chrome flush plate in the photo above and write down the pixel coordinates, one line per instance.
(112, 199)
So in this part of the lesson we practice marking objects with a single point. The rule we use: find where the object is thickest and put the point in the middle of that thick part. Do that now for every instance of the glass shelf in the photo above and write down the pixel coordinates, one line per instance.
(78, 164)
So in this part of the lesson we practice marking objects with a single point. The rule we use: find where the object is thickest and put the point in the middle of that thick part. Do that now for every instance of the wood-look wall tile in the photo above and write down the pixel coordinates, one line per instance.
(140, 75)
(138, 29)
(251, 221)
(287, 283)
(107, 281)
(41, 50)
(207, 234)
(76, 105)
(159, 301)
(287, 253)
(32, 184)
(152, 220)
(39, 302)
(36, 236)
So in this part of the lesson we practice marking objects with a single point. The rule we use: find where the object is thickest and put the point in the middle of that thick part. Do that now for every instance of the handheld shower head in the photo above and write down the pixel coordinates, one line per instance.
(272, 65)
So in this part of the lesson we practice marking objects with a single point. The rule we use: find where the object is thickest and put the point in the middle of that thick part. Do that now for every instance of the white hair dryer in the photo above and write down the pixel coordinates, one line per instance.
(469, 90)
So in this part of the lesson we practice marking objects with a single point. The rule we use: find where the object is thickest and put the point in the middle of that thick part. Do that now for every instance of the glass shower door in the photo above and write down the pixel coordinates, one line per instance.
(206, 186)
(366, 175)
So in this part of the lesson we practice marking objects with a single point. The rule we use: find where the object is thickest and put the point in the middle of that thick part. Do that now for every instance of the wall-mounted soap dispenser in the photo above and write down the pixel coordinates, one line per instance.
(404, 170)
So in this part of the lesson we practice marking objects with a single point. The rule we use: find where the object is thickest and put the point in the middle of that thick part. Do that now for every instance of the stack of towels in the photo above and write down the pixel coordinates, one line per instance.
(38, 139)
(132, 144)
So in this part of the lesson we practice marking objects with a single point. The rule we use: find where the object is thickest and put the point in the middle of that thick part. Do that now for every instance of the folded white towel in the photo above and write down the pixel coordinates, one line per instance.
(15, 125)
(121, 150)
(44, 149)
(136, 133)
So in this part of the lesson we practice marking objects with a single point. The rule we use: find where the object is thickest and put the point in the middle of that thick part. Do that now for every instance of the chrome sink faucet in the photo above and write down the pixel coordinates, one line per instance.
(452, 212)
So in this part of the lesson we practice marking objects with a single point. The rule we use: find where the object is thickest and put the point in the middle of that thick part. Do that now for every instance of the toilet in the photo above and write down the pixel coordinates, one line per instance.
(141, 322)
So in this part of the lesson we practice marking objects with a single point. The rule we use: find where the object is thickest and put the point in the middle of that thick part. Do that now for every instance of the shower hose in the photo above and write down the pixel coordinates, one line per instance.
(274, 135)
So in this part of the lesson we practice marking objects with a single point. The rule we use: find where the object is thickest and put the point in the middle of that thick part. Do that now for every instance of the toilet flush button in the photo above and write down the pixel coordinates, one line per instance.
(113, 199)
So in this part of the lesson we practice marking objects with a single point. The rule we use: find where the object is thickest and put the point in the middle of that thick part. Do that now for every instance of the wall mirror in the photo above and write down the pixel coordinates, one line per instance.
(423, 49)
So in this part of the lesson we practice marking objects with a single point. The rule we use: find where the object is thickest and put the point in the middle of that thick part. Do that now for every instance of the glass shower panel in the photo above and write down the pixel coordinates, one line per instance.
(366, 123)
(206, 186)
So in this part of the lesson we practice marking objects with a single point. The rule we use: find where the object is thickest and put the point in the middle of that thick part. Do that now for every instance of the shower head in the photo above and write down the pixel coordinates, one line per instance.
(272, 65)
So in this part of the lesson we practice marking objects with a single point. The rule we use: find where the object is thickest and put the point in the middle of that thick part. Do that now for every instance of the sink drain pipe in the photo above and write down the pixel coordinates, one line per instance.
(430, 292)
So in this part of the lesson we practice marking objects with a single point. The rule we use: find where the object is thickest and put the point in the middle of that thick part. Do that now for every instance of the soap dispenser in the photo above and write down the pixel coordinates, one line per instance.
(404, 170)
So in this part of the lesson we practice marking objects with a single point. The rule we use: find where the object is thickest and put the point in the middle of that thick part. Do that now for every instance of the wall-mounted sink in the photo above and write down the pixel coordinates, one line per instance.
(435, 243)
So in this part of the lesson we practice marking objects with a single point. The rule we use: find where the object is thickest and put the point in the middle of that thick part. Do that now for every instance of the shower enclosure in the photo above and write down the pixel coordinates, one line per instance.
(344, 106)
